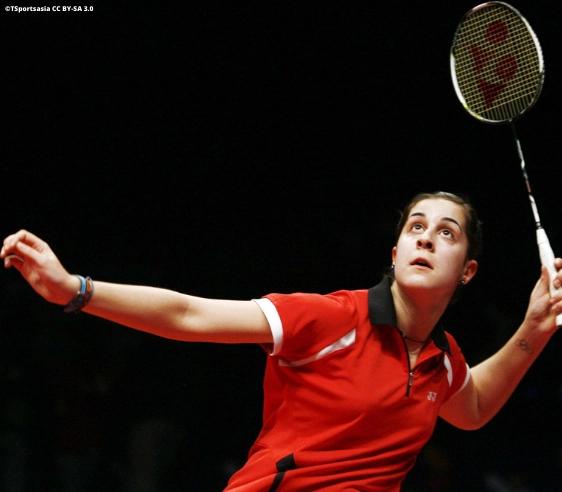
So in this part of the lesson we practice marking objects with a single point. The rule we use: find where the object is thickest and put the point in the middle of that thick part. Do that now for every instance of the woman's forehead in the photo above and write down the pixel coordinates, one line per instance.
(438, 208)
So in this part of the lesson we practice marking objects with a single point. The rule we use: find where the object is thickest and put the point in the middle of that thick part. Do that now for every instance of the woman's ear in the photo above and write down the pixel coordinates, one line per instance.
(394, 254)
(470, 270)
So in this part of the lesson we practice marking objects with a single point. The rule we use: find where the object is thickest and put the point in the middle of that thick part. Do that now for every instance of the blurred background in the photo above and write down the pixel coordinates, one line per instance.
(233, 150)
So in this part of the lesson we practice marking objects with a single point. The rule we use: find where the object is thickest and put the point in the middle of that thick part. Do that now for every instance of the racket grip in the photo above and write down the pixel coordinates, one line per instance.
(547, 259)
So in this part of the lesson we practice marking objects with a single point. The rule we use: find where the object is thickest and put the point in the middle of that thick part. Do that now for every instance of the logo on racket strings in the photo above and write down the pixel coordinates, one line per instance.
(504, 67)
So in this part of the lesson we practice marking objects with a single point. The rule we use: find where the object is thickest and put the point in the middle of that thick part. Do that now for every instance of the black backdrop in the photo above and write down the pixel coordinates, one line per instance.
(236, 150)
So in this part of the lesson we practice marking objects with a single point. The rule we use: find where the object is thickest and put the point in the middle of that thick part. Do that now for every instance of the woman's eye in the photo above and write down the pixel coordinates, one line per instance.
(417, 227)
(447, 233)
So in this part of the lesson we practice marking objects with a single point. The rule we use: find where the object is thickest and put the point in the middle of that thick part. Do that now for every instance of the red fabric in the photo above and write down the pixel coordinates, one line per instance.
(346, 417)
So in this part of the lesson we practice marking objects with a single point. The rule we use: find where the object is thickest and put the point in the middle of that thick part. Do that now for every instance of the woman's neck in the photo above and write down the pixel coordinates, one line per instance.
(418, 313)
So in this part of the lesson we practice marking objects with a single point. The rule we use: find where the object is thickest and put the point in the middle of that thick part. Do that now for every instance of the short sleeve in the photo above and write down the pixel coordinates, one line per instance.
(304, 324)
(457, 368)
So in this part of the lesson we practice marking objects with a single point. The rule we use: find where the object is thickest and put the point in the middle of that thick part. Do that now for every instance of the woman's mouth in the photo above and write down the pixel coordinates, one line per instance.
(422, 262)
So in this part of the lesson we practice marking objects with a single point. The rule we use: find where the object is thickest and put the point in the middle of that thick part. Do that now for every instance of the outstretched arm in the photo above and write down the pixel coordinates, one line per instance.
(158, 311)
(494, 380)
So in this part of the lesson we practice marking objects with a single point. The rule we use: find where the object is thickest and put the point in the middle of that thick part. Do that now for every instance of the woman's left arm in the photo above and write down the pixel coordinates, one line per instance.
(493, 381)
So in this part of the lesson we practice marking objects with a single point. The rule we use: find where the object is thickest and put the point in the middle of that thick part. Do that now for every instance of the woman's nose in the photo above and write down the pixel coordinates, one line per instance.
(425, 242)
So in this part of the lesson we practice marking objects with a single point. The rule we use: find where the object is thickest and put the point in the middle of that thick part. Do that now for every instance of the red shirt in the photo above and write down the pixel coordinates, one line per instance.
(343, 409)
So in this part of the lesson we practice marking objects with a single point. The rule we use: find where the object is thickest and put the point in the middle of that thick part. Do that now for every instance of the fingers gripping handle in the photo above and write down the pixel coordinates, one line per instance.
(547, 259)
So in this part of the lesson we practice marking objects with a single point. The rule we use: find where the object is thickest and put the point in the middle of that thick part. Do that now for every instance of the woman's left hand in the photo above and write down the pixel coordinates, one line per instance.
(544, 308)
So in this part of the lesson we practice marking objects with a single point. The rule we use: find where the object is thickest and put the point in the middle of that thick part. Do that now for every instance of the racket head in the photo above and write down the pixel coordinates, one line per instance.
(497, 64)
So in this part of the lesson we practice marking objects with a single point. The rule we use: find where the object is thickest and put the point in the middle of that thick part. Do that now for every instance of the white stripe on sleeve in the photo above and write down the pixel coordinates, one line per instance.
(270, 312)
(344, 342)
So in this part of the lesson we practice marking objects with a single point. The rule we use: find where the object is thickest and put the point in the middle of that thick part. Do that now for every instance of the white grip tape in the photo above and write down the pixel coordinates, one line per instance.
(547, 259)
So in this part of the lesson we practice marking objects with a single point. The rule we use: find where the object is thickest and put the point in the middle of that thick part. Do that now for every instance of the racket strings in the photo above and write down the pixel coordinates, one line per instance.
(498, 63)
(475, 35)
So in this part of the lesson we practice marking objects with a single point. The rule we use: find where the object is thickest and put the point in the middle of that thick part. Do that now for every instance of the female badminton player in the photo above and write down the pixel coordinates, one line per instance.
(355, 380)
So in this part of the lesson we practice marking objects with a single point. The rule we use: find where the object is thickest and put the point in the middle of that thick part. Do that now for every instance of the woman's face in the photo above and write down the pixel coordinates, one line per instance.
(432, 248)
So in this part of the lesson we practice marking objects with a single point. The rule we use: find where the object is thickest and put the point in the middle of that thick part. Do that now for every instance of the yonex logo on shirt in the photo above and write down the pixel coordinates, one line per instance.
(431, 396)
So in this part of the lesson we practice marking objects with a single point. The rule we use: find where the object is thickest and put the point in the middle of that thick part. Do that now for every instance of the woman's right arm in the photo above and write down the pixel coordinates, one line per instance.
(158, 311)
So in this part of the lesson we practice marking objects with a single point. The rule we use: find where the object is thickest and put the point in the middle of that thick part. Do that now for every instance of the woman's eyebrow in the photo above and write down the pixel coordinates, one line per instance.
(448, 219)
(418, 214)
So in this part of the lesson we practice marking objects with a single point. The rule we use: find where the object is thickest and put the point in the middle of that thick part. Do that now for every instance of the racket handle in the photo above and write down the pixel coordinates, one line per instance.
(547, 259)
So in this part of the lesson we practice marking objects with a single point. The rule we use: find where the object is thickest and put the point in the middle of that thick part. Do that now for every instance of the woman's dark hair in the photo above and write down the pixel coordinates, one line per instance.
(473, 224)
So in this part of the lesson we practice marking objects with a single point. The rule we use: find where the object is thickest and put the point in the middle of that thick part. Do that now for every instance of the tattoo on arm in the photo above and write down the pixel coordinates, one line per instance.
(522, 344)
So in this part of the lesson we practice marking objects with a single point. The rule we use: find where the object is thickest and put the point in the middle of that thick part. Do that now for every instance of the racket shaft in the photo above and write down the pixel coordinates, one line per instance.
(547, 259)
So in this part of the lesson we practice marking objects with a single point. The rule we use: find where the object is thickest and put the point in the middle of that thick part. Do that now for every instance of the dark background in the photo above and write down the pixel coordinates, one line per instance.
(232, 151)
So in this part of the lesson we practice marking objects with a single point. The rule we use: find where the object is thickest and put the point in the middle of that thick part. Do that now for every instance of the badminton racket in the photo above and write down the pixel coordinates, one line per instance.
(497, 69)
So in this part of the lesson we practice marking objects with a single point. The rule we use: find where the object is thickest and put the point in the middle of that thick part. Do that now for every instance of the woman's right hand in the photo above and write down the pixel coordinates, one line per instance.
(37, 263)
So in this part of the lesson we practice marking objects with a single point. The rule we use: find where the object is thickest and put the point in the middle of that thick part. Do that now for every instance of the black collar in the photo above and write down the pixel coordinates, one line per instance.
(382, 312)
